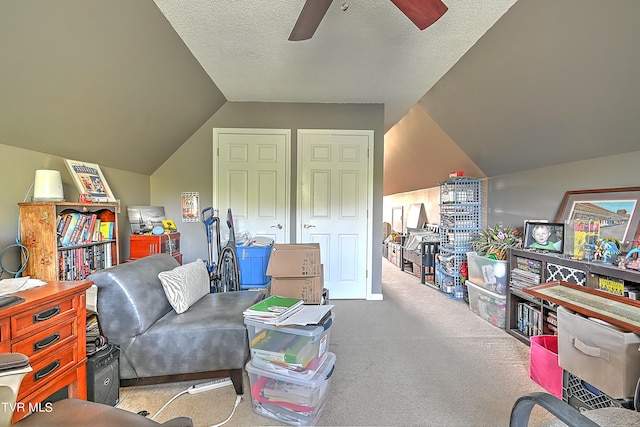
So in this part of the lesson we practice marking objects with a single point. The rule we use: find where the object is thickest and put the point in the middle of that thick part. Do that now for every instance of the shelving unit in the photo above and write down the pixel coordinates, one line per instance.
(551, 267)
(460, 223)
(47, 258)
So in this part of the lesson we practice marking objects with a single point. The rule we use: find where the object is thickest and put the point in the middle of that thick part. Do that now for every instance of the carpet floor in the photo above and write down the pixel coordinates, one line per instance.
(416, 358)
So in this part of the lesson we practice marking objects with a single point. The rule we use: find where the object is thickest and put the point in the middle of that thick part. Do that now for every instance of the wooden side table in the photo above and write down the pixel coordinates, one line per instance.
(49, 328)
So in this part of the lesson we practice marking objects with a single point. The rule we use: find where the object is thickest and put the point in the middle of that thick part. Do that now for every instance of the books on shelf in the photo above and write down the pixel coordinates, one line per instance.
(76, 228)
(273, 308)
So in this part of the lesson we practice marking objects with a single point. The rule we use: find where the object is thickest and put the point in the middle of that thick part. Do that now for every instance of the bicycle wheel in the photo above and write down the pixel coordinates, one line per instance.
(228, 273)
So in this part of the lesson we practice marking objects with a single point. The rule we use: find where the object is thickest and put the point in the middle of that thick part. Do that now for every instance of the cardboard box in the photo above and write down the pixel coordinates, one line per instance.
(308, 289)
(295, 260)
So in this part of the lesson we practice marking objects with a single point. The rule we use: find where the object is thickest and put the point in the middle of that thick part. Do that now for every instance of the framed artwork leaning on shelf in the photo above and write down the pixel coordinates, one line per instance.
(616, 209)
(90, 181)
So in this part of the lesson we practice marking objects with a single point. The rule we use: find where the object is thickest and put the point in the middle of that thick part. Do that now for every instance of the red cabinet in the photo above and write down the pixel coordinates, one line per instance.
(141, 245)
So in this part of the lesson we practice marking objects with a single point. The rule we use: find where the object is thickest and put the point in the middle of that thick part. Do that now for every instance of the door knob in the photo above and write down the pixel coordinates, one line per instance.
(308, 225)
(278, 226)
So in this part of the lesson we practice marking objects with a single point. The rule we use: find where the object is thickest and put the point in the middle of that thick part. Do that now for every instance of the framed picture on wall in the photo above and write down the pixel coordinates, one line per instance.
(615, 208)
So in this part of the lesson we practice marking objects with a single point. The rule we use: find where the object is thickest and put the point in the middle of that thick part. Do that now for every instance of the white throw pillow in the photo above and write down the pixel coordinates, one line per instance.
(186, 284)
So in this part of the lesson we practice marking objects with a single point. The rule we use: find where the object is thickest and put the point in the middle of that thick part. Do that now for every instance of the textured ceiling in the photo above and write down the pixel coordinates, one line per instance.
(370, 53)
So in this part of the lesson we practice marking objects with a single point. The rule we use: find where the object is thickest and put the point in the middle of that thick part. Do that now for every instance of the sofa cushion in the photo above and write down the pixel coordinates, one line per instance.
(186, 284)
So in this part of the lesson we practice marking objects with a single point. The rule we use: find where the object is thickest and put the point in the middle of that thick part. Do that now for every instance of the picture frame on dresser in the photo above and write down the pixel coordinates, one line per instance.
(616, 208)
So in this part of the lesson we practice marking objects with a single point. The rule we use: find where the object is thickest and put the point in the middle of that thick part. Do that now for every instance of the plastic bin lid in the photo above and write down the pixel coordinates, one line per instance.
(309, 331)
(484, 291)
(323, 373)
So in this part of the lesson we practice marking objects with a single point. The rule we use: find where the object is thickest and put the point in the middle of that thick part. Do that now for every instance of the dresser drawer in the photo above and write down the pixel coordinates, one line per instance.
(47, 370)
(5, 336)
(47, 341)
(43, 316)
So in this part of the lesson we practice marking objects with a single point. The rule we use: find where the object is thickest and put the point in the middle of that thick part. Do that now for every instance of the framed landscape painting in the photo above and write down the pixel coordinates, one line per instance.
(616, 209)
(90, 181)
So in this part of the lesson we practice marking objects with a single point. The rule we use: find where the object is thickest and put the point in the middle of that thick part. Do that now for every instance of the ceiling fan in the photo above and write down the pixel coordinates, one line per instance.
(422, 13)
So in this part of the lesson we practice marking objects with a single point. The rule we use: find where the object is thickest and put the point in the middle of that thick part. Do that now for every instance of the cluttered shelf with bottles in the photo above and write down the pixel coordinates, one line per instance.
(68, 241)
(528, 316)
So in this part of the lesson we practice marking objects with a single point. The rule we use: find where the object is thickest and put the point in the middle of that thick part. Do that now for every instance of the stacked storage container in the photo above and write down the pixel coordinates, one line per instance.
(290, 368)
(487, 288)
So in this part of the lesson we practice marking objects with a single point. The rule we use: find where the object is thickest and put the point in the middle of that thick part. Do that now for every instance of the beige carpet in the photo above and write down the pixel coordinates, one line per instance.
(417, 358)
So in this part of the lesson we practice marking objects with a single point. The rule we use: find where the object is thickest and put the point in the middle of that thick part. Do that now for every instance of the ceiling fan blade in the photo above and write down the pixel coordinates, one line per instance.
(423, 13)
(312, 13)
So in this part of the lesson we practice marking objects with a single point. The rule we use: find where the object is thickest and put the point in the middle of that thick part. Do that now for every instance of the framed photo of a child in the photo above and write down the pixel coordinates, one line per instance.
(544, 236)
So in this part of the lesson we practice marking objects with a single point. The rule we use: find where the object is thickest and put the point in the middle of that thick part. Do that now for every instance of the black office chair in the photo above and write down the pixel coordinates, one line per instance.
(619, 417)
(66, 412)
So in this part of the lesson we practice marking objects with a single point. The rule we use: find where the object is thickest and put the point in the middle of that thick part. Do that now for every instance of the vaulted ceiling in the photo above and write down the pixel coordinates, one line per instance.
(514, 84)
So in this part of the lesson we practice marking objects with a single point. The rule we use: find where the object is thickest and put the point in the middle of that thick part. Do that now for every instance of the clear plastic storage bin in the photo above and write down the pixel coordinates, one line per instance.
(289, 399)
(289, 347)
(486, 304)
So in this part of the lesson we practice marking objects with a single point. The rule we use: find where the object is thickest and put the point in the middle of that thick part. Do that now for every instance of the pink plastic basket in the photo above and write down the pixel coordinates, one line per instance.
(543, 363)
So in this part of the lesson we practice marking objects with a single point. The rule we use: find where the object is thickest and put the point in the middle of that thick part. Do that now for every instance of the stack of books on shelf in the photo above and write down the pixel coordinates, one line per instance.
(290, 366)
(530, 321)
(525, 273)
(521, 278)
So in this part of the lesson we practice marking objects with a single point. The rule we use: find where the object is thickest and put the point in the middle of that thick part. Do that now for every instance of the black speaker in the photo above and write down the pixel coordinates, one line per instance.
(103, 376)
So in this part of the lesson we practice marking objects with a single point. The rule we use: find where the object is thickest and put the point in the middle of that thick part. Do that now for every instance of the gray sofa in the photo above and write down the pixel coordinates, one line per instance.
(155, 342)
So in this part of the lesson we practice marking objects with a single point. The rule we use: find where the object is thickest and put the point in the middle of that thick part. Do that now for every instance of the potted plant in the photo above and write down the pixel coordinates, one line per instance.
(494, 242)
(487, 267)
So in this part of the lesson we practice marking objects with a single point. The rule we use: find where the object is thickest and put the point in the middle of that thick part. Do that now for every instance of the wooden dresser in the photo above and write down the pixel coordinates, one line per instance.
(48, 327)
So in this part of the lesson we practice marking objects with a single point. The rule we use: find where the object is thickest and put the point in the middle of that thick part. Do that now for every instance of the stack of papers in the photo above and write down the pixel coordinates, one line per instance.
(273, 309)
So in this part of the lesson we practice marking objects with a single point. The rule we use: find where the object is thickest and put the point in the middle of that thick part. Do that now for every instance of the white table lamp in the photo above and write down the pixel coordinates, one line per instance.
(47, 186)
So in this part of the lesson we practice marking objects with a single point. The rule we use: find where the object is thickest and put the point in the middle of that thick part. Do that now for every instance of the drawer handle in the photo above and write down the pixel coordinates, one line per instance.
(47, 314)
(46, 370)
(46, 342)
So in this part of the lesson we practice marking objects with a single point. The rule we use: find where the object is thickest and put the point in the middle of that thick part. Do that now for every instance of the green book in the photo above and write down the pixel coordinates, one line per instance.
(273, 307)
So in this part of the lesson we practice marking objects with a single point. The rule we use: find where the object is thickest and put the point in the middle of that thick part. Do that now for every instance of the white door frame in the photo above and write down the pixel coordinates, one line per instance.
(370, 133)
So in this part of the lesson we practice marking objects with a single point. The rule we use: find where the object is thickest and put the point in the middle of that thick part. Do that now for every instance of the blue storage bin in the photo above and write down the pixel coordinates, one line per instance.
(253, 261)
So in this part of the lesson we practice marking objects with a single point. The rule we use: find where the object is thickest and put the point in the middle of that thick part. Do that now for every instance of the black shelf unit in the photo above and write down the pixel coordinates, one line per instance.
(579, 272)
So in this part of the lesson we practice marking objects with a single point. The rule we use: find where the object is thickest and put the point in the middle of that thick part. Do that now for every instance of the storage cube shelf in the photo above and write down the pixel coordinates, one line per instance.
(460, 223)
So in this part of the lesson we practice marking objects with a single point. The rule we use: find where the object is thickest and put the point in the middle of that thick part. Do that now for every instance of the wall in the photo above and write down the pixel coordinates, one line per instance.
(429, 196)
(191, 167)
(536, 193)
(17, 171)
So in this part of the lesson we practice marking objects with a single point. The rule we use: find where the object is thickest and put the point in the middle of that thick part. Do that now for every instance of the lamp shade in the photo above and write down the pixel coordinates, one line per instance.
(47, 186)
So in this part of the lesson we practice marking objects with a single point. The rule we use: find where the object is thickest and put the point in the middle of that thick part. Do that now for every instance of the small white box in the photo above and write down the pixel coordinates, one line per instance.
(599, 353)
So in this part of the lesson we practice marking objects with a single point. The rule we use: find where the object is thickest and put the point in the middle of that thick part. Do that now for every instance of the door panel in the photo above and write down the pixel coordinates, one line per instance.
(333, 200)
(252, 177)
